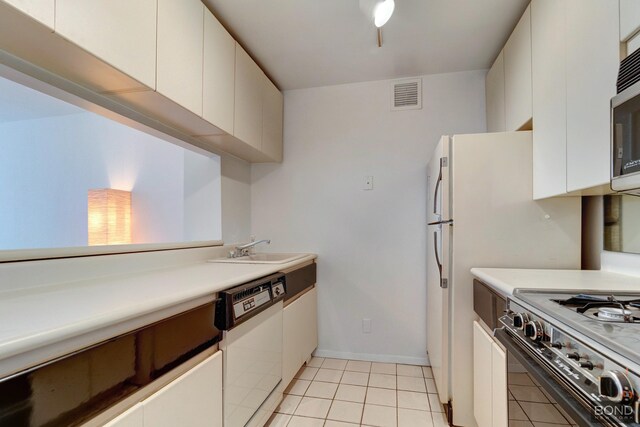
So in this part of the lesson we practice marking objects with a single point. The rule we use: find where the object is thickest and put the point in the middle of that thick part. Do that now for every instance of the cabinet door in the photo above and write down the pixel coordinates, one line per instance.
(272, 115)
(629, 18)
(311, 322)
(517, 74)
(180, 52)
(120, 32)
(593, 57)
(499, 398)
(131, 418)
(192, 400)
(248, 105)
(548, 39)
(40, 10)
(494, 86)
(300, 333)
(219, 74)
(482, 391)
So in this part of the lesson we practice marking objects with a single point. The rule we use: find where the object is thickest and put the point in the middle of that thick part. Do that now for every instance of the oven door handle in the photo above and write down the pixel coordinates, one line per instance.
(576, 410)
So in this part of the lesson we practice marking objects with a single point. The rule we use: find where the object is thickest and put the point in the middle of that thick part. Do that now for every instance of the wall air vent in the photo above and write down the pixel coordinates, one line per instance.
(406, 94)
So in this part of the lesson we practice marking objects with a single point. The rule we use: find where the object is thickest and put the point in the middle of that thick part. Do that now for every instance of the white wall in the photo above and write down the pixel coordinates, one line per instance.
(202, 197)
(622, 263)
(371, 244)
(47, 165)
(615, 262)
(236, 200)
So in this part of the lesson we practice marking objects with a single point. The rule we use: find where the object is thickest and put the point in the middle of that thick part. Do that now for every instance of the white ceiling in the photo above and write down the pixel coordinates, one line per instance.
(308, 43)
(18, 102)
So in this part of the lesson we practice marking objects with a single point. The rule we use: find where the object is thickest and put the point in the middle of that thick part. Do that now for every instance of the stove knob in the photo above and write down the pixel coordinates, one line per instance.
(616, 387)
(534, 330)
(574, 356)
(557, 345)
(520, 319)
(586, 365)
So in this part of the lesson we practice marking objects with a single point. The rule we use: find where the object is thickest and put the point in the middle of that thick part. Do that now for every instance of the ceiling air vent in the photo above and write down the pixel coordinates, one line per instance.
(406, 94)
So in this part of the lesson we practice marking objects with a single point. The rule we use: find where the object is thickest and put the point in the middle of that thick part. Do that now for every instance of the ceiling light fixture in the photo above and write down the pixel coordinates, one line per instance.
(382, 12)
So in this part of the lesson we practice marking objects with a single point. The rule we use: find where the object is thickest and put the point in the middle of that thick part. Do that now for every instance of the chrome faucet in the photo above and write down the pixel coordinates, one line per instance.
(243, 250)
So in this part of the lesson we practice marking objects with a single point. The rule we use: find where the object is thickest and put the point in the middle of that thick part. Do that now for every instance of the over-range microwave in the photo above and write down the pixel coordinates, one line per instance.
(625, 140)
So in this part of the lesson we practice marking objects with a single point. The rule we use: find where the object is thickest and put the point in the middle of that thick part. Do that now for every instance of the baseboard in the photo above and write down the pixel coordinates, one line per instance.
(386, 358)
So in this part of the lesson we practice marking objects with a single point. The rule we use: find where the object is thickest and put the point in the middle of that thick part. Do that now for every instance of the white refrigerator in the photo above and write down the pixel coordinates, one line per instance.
(481, 214)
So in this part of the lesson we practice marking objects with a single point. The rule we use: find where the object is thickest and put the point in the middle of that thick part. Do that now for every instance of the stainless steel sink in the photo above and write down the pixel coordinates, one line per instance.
(261, 258)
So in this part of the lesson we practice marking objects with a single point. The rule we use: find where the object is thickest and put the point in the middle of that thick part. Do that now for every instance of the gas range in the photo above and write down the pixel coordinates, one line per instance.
(590, 344)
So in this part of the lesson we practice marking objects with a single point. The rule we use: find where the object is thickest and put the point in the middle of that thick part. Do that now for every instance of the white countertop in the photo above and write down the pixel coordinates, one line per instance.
(40, 324)
(506, 280)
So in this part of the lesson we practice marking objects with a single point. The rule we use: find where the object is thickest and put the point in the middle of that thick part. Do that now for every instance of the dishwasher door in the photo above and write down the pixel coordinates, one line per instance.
(252, 364)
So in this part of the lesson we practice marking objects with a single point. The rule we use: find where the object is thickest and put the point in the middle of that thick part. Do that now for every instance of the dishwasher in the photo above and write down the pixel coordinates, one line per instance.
(250, 318)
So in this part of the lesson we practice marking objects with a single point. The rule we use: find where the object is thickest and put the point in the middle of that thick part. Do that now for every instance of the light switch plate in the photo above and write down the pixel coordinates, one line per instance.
(368, 183)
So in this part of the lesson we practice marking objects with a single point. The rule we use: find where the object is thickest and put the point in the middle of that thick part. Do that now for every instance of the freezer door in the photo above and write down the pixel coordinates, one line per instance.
(438, 206)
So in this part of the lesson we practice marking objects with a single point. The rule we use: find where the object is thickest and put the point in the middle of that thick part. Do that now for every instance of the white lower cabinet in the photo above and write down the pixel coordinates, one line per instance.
(300, 333)
(489, 380)
(482, 376)
(499, 398)
(192, 400)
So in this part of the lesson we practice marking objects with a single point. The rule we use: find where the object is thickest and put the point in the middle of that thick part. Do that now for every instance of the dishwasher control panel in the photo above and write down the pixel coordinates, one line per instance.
(242, 302)
(260, 297)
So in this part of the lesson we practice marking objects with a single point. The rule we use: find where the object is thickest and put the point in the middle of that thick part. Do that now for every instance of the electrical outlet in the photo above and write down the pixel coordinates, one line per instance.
(368, 183)
(366, 326)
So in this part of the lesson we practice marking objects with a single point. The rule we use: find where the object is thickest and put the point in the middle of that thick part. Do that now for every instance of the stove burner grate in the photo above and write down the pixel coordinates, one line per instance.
(618, 311)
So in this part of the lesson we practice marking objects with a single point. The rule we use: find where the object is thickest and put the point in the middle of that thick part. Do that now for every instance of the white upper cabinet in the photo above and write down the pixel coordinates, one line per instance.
(134, 417)
(575, 59)
(170, 60)
(517, 74)
(180, 52)
(120, 32)
(592, 58)
(548, 49)
(40, 10)
(629, 18)
(192, 400)
(494, 86)
(219, 74)
(248, 100)
(272, 116)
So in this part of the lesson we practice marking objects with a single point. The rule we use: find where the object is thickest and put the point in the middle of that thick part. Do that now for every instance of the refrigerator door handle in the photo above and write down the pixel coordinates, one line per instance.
(449, 221)
(443, 283)
(435, 193)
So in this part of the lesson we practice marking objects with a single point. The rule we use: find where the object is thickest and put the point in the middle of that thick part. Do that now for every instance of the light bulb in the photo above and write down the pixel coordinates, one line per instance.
(383, 12)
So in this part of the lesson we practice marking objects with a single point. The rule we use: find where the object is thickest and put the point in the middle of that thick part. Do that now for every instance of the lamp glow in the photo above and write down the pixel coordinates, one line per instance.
(383, 12)
(109, 217)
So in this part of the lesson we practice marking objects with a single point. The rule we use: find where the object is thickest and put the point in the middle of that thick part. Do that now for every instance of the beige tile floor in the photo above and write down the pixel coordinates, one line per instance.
(344, 393)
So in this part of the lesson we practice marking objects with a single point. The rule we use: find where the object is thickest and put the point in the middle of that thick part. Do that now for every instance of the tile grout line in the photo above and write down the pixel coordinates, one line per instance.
(366, 386)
